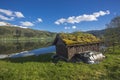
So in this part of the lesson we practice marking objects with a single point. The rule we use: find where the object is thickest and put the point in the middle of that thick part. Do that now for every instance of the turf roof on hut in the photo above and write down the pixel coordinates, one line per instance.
(78, 38)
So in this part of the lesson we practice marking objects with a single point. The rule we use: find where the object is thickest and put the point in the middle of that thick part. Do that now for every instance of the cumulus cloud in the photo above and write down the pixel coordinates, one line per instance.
(20, 26)
(84, 17)
(6, 18)
(3, 23)
(9, 24)
(74, 27)
(27, 24)
(66, 27)
(39, 20)
(23, 27)
(7, 12)
(60, 21)
(10, 15)
(19, 14)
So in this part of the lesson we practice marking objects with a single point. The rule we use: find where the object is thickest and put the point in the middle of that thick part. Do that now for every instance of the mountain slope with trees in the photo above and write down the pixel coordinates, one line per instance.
(112, 33)
(98, 33)
(17, 32)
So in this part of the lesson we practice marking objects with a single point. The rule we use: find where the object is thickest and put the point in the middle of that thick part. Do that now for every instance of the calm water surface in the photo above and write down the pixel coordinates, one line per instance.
(19, 49)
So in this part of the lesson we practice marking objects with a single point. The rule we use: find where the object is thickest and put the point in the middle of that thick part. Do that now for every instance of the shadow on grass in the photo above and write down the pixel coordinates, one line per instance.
(40, 58)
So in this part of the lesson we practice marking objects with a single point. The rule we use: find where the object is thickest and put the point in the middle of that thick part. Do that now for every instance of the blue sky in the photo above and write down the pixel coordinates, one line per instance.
(59, 15)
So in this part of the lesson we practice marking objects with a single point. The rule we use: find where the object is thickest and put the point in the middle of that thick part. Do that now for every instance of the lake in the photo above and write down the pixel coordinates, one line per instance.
(26, 48)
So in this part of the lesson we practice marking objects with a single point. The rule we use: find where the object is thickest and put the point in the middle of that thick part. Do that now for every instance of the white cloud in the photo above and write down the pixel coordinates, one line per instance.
(9, 15)
(66, 27)
(7, 12)
(84, 17)
(74, 27)
(3, 24)
(19, 14)
(57, 22)
(27, 24)
(71, 19)
(60, 21)
(10, 25)
(19, 26)
(6, 18)
(23, 27)
(39, 20)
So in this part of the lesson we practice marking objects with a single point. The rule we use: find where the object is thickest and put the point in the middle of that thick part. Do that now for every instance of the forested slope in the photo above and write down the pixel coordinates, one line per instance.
(13, 32)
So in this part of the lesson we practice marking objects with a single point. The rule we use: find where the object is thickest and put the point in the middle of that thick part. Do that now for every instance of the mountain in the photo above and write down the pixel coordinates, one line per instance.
(9, 30)
(98, 33)
(13, 31)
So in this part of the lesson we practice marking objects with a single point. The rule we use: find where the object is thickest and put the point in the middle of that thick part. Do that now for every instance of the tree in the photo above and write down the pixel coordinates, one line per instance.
(112, 33)
(17, 33)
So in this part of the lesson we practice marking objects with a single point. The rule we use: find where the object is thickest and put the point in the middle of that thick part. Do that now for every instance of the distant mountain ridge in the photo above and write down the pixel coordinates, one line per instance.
(98, 33)
(11, 32)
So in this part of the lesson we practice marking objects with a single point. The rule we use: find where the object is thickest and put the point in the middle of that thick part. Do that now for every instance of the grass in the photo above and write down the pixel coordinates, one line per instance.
(42, 68)
(78, 38)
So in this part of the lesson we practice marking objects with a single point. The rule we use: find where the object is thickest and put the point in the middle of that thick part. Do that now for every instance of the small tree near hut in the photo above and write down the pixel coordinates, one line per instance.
(112, 33)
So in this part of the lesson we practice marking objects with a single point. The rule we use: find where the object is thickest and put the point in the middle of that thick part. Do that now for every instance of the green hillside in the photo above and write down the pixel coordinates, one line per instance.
(16, 32)
(98, 33)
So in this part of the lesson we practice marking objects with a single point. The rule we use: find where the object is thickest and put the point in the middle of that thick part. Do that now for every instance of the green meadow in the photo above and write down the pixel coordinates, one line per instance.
(42, 68)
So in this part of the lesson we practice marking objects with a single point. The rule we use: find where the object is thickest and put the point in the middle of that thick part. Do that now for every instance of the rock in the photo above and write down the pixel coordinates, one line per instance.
(3, 56)
(90, 57)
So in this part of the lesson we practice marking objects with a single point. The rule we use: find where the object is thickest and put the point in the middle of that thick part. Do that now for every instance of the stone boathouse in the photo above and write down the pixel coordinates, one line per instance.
(67, 45)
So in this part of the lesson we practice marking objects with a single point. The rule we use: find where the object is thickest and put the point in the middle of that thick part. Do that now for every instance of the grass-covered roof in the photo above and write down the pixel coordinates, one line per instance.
(78, 38)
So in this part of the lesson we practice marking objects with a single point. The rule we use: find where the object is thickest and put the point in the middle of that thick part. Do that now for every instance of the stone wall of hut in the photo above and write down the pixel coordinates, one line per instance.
(62, 51)
(81, 48)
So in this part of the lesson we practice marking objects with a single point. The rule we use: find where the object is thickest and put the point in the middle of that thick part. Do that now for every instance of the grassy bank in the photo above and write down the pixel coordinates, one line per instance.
(42, 68)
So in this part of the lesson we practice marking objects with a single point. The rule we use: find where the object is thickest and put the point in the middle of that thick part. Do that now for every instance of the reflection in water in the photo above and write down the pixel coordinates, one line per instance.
(16, 47)
(33, 52)
(30, 53)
